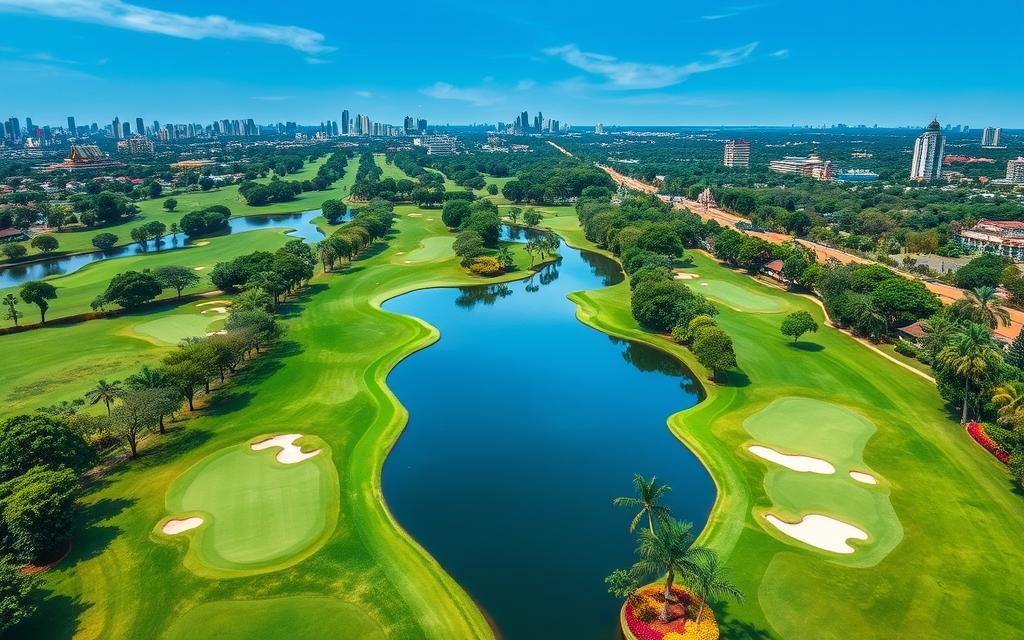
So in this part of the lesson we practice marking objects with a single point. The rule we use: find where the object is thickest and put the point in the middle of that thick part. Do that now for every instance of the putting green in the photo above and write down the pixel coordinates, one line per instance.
(804, 426)
(430, 249)
(737, 297)
(174, 328)
(258, 514)
(295, 617)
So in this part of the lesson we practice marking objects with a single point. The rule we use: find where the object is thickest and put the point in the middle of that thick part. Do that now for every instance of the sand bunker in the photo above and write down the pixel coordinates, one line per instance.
(430, 219)
(703, 284)
(866, 478)
(289, 453)
(222, 332)
(803, 464)
(215, 310)
(415, 215)
(174, 527)
(686, 276)
(201, 243)
(206, 304)
(198, 268)
(820, 531)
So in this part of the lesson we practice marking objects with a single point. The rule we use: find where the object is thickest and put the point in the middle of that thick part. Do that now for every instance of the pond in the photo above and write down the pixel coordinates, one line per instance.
(524, 424)
(301, 223)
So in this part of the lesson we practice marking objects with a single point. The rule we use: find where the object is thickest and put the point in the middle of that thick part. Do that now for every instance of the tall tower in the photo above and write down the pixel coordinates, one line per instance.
(72, 129)
(140, 127)
(344, 123)
(928, 152)
(115, 128)
(737, 154)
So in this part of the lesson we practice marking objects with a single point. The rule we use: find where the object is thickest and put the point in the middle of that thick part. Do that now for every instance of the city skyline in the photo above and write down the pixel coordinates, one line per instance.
(725, 66)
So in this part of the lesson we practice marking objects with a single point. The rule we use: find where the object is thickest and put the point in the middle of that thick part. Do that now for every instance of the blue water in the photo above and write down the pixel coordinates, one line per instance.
(524, 424)
(300, 222)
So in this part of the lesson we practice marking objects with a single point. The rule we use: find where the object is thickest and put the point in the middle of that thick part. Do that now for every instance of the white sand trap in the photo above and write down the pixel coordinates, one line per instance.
(820, 531)
(289, 453)
(206, 304)
(686, 276)
(407, 261)
(201, 243)
(430, 219)
(703, 284)
(866, 478)
(400, 253)
(174, 527)
(215, 310)
(803, 464)
(198, 268)
(222, 332)
(415, 215)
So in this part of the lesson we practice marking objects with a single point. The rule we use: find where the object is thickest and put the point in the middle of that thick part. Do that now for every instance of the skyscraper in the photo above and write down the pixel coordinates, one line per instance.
(928, 152)
(524, 122)
(126, 130)
(71, 125)
(421, 125)
(990, 136)
(140, 127)
(409, 125)
(1015, 171)
(737, 154)
(115, 128)
(344, 123)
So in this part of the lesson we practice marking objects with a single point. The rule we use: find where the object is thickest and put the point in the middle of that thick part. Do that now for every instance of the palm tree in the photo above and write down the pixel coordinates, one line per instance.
(670, 552)
(971, 355)
(939, 331)
(147, 378)
(105, 391)
(648, 495)
(712, 581)
(868, 319)
(984, 306)
(1009, 397)
(12, 308)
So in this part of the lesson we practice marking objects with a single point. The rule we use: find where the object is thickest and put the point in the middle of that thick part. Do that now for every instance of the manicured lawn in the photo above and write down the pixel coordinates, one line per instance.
(258, 514)
(737, 297)
(297, 617)
(173, 328)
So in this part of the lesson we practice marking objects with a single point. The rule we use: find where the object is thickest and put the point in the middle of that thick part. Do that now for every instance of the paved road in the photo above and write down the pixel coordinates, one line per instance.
(947, 293)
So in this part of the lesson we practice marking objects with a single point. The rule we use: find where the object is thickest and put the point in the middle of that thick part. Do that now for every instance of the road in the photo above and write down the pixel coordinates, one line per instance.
(947, 293)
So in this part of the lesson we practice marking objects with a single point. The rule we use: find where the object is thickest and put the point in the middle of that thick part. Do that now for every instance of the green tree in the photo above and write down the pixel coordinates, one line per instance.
(671, 553)
(176, 277)
(711, 581)
(971, 356)
(16, 601)
(170, 204)
(137, 414)
(132, 288)
(647, 499)
(505, 258)
(902, 300)
(984, 271)
(983, 306)
(1009, 398)
(661, 238)
(12, 313)
(793, 267)
(532, 217)
(332, 210)
(37, 509)
(156, 230)
(38, 293)
(104, 241)
(45, 243)
(1015, 354)
(38, 439)
(14, 251)
(106, 392)
(797, 324)
(147, 378)
(713, 349)
(468, 245)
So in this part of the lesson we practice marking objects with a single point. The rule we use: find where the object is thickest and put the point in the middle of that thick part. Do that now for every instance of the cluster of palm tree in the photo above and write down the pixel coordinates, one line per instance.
(666, 546)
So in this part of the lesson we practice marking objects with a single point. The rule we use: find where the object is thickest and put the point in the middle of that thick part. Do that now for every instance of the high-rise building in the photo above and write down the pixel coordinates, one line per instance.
(115, 128)
(140, 127)
(365, 127)
(344, 123)
(126, 130)
(810, 167)
(30, 129)
(156, 126)
(524, 122)
(1015, 170)
(410, 125)
(928, 151)
(599, 129)
(538, 122)
(72, 129)
(421, 125)
(737, 154)
(990, 137)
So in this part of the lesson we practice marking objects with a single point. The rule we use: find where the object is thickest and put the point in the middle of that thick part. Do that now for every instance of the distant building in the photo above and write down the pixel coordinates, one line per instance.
(1015, 170)
(857, 175)
(928, 151)
(441, 145)
(140, 127)
(84, 156)
(810, 167)
(1002, 237)
(12, 234)
(115, 128)
(421, 125)
(136, 146)
(990, 137)
(344, 123)
(599, 129)
(737, 154)
(72, 129)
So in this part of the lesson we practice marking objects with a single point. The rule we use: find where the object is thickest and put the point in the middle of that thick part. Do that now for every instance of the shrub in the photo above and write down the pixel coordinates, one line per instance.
(977, 431)
(13, 251)
(906, 348)
(486, 266)
(645, 613)
(1017, 468)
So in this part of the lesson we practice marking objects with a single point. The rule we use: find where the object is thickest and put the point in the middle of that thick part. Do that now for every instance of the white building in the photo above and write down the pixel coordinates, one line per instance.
(928, 151)
(990, 137)
(440, 145)
(737, 154)
(1002, 237)
(1015, 170)
(810, 167)
(599, 129)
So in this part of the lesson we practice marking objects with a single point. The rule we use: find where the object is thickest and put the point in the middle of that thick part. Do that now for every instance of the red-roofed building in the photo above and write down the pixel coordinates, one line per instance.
(1002, 237)
(12, 234)
(774, 270)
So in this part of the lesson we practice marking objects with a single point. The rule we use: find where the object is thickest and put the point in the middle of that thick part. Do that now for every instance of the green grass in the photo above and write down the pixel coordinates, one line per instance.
(298, 617)
(258, 514)
(76, 290)
(736, 296)
(173, 328)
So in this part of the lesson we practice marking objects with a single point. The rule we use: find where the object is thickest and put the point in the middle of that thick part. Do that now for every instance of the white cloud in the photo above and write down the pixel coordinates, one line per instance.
(719, 16)
(635, 75)
(476, 96)
(525, 85)
(781, 53)
(115, 13)
(313, 60)
(364, 94)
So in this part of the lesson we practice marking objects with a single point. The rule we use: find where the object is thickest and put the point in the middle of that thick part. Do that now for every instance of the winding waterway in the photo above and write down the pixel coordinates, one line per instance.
(301, 224)
(524, 424)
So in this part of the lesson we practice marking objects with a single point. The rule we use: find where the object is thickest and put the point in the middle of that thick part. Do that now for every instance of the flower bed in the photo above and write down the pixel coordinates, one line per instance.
(683, 626)
(977, 431)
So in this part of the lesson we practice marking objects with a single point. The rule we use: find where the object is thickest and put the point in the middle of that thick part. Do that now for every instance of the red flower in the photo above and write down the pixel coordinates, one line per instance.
(977, 431)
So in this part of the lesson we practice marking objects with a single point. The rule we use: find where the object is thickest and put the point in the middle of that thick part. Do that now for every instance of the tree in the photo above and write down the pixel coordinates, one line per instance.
(711, 581)
(38, 293)
(170, 204)
(648, 496)
(186, 377)
(505, 258)
(45, 243)
(902, 300)
(983, 306)
(12, 308)
(513, 214)
(16, 602)
(797, 324)
(754, 253)
(1015, 354)
(454, 212)
(104, 391)
(713, 349)
(37, 439)
(793, 267)
(468, 245)
(176, 277)
(333, 211)
(150, 378)
(14, 251)
(253, 298)
(156, 230)
(1009, 398)
(259, 327)
(984, 271)
(104, 241)
(971, 356)
(661, 238)
(138, 413)
(532, 217)
(132, 288)
(669, 552)
(37, 509)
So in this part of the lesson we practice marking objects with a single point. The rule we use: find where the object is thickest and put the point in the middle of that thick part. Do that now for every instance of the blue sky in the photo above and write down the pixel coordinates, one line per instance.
(686, 62)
